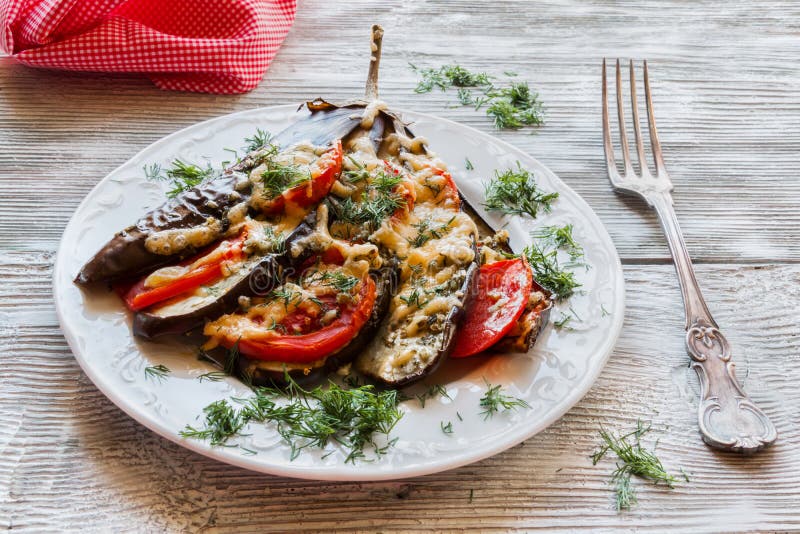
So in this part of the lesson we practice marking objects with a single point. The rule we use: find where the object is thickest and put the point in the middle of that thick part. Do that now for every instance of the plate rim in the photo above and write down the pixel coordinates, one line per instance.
(309, 472)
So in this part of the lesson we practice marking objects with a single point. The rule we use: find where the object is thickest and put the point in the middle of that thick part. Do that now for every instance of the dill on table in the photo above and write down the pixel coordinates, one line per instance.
(308, 418)
(494, 400)
(182, 176)
(635, 460)
(515, 192)
(510, 107)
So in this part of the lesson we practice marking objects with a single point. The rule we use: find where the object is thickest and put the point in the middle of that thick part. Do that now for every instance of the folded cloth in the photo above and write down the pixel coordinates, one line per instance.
(210, 46)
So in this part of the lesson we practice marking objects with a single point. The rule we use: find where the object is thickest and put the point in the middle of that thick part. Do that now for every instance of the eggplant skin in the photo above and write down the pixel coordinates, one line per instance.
(125, 254)
(258, 375)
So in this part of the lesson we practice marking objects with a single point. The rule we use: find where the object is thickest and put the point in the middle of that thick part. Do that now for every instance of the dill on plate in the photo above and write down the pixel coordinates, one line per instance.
(515, 192)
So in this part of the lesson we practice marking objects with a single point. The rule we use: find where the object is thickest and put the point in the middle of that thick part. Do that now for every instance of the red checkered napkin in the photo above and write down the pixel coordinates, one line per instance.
(210, 46)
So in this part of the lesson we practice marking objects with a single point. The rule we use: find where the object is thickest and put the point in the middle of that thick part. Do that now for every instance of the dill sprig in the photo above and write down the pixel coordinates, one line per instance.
(213, 376)
(561, 237)
(494, 400)
(350, 417)
(635, 460)
(343, 283)
(542, 256)
(157, 372)
(515, 192)
(548, 272)
(446, 428)
(259, 140)
(427, 231)
(182, 176)
(369, 212)
(512, 107)
(448, 76)
(222, 422)
(277, 178)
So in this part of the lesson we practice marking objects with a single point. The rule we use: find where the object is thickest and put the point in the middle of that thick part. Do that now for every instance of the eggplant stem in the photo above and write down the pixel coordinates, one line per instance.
(374, 62)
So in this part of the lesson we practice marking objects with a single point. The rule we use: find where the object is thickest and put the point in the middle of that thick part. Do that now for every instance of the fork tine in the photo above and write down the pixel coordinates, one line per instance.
(622, 133)
(637, 131)
(651, 118)
(608, 147)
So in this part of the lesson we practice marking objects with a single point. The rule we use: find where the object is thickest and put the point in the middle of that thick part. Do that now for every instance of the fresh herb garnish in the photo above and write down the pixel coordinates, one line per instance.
(515, 192)
(232, 359)
(542, 255)
(367, 212)
(426, 231)
(448, 76)
(494, 400)
(213, 376)
(312, 418)
(157, 372)
(468, 164)
(259, 140)
(446, 428)
(511, 107)
(433, 391)
(278, 178)
(222, 422)
(636, 460)
(182, 176)
(514, 107)
(343, 283)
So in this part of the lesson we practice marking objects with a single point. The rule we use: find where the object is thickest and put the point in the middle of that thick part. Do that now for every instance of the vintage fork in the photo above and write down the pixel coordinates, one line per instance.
(728, 418)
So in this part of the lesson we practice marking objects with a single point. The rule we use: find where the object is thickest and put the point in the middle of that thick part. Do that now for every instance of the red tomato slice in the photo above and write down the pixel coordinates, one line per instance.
(450, 188)
(307, 348)
(488, 319)
(308, 194)
(208, 269)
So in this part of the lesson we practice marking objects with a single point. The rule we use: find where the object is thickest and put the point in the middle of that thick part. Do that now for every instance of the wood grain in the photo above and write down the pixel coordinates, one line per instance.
(726, 89)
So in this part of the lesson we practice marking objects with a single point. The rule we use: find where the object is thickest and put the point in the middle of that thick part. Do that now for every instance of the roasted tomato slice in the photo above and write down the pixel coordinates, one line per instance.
(298, 337)
(504, 288)
(328, 166)
(203, 269)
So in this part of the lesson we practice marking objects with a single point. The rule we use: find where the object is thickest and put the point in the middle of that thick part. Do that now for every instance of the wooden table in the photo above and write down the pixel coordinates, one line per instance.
(726, 87)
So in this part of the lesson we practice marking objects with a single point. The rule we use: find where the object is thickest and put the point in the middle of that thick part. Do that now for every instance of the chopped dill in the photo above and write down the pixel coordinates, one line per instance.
(603, 311)
(561, 237)
(494, 400)
(232, 359)
(276, 243)
(367, 212)
(309, 418)
(259, 140)
(339, 281)
(213, 376)
(563, 322)
(157, 372)
(181, 176)
(446, 428)
(413, 299)
(459, 416)
(512, 106)
(547, 271)
(433, 391)
(448, 76)
(278, 178)
(222, 422)
(288, 296)
(515, 192)
(426, 231)
(468, 164)
(636, 460)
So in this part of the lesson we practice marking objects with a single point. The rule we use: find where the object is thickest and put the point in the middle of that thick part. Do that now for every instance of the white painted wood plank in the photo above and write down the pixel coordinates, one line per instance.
(726, 89)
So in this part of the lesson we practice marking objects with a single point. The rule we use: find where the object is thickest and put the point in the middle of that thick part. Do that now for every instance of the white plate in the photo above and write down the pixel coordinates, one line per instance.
(551, 378)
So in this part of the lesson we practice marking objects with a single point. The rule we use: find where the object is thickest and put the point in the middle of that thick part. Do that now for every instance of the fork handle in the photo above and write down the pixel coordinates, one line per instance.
(727, 417)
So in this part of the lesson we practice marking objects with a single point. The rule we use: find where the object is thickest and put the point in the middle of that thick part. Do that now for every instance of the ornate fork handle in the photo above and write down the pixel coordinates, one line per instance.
(727, 417)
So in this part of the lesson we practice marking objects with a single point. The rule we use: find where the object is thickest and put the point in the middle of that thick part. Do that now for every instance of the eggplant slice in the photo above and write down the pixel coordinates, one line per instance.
(261, 373)
(210, 204)
(257, 275)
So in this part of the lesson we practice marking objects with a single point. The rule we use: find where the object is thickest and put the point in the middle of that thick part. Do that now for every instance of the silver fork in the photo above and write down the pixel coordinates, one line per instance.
(728, 418)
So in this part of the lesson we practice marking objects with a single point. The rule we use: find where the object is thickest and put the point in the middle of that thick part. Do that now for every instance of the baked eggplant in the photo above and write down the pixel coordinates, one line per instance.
(257, 274)
(203, 214)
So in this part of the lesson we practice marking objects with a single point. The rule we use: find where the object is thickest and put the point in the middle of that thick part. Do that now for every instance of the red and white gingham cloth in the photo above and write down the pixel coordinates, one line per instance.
(213, 46)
